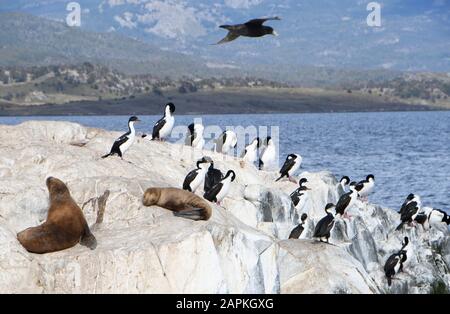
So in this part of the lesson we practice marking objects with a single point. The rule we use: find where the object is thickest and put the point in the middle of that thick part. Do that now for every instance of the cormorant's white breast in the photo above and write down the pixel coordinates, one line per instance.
(226, 142)
(195, 136)
(268, 155)
(250, 154)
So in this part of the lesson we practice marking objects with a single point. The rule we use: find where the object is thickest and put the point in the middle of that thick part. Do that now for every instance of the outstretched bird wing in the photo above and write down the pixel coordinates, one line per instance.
(259, 22)
(230, 37)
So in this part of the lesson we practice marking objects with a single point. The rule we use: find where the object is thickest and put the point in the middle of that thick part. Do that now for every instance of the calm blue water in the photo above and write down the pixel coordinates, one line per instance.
(408, 152)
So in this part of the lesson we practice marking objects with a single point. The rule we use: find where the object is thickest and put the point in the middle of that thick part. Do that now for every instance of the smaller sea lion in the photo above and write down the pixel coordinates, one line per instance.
(183, 203)
(65, 225)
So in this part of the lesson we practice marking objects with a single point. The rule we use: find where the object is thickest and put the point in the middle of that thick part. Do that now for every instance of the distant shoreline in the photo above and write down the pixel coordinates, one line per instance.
(221, 114)
(222, 102)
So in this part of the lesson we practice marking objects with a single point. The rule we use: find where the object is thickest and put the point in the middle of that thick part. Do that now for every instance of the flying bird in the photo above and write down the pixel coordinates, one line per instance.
(253, 28)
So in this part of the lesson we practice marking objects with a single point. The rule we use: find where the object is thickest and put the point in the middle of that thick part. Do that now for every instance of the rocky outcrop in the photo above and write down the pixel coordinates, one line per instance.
(241, 249)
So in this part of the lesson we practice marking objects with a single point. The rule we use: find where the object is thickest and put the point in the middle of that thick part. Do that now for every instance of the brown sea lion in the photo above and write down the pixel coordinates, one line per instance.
(183, 203)
(65, 225)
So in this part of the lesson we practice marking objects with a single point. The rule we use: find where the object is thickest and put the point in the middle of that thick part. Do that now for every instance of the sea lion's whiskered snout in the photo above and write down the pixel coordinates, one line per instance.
(56, 187)
(151, 197)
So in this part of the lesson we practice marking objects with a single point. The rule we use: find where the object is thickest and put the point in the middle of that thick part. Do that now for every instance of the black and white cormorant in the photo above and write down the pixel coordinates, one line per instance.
(428, 217)
(124, 142)
(163, 128)
(346, 201)
(365, 187)
(268, 154)
(226, 142)
(297, 231)
(410, 211)
(325, 225)
(342, 185)
(437, 216)
(394, 263)
(218, 192)
(213, 176)
(194, 137)
(290, 166)
(196, 177)
(250, 153)
(300, 195)
(408, 199)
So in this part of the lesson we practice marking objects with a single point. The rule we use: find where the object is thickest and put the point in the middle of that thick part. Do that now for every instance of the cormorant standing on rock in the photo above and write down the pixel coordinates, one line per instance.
(213, 176)
(218, 192)
(325, 225)
(346, 201)
(163, 128)
(196, 177)
(297, 231)
(409, 212)
(299, 196)
(394, 263)
(292, 163)
(124, 142)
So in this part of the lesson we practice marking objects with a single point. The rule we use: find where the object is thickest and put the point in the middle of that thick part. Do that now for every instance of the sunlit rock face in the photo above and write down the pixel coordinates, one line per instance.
(243, 248)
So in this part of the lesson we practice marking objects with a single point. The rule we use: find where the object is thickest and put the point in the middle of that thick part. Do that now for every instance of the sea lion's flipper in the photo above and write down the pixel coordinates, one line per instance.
(194, 214)
(88, 239)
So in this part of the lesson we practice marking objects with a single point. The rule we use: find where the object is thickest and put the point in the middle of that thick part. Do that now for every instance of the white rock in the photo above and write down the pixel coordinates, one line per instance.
(148, 250)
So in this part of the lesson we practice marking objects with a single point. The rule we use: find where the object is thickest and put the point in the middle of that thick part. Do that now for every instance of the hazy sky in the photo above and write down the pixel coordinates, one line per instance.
(414, 34)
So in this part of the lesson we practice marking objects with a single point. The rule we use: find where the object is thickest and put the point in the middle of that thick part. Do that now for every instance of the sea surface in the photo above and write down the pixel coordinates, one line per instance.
(408, 152)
